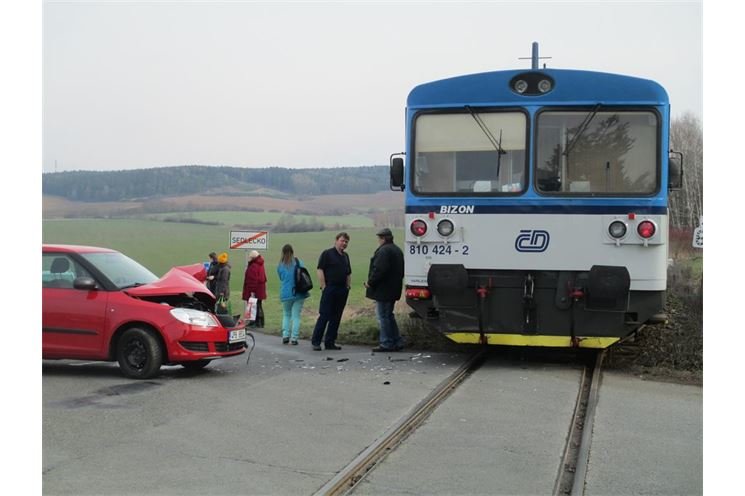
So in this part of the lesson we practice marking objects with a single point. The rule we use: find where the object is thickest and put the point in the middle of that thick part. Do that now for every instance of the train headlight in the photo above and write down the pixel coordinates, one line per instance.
(617, 229)
(544, 85)
(445, 227)
(646, 229)
(521, 86)
(418, 228)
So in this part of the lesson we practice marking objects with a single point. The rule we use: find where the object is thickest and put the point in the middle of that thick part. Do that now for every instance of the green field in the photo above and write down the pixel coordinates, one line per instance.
(161, 245)
(232, 218)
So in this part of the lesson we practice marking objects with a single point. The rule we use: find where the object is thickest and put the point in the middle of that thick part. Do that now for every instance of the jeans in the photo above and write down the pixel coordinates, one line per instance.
(390, 338)
(291, 317)
(333, 301)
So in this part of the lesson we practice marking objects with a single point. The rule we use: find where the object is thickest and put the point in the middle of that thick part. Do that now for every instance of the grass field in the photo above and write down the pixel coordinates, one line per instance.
(161, 245)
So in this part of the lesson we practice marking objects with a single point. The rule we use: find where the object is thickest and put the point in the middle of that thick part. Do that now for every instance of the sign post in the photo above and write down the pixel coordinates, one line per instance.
(244, 240)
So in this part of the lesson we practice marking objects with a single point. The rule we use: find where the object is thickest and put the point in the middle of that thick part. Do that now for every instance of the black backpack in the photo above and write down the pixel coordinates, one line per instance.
(303, 282)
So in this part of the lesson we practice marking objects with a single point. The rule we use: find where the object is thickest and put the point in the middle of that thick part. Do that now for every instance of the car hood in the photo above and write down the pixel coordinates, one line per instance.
(186, 279)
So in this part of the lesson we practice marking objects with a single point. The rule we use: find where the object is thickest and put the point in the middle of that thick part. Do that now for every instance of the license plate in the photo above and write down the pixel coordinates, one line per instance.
(237, 335)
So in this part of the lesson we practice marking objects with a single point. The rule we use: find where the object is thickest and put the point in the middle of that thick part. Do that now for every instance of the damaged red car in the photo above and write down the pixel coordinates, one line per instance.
(99, 304)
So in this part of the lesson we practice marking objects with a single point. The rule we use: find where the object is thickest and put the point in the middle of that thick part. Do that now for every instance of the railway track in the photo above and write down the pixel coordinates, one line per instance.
(353, 473)
(573, 466)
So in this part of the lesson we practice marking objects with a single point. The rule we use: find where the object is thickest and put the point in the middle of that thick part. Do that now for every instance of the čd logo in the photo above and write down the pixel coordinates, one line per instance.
(532, 241)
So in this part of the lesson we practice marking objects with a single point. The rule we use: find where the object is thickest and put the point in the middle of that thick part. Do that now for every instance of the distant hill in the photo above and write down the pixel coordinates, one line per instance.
(123, 185)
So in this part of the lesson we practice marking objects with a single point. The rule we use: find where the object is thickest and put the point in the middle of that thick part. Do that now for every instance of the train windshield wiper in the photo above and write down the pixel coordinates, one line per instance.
(497, 144)
(582, 129)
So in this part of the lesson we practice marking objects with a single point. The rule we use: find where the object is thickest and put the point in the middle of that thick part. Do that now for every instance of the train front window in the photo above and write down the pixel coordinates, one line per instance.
(469, 153)
(597, 152)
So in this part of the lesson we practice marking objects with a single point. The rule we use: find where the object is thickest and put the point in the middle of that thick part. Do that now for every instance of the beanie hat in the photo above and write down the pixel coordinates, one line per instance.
(222, 258)
(253, 254)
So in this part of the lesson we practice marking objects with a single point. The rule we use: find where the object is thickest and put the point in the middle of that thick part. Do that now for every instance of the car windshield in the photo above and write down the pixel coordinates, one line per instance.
(470, 152)
(120, 269)
(596, 151)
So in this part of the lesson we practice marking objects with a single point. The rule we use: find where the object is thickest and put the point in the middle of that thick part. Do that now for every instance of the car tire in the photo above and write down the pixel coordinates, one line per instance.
(139, 354)
(196, 364)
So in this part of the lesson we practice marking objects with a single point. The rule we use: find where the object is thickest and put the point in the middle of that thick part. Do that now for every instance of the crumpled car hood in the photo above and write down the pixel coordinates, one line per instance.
(186, 279)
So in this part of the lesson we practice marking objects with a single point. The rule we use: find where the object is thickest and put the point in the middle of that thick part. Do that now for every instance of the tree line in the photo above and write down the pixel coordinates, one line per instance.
(102, 186)
(687, 204)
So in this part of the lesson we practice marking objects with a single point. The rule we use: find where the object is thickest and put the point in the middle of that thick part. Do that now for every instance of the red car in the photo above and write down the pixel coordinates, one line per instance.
(98, 304)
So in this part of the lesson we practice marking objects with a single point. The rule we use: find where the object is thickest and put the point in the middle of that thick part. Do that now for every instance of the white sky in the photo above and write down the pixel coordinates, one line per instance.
(148, 84)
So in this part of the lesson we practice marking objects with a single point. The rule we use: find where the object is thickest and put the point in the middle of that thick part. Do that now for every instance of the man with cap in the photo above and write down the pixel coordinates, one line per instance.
(384, 284)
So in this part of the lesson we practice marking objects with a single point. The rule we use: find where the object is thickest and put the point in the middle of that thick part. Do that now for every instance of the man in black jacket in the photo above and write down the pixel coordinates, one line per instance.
(384, 284)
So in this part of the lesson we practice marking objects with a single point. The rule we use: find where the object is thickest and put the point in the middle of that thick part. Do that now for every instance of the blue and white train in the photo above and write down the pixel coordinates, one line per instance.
(537, 205)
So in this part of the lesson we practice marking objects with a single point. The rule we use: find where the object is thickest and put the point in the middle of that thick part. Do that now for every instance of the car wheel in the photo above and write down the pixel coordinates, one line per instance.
(139, 354)
(196, 364)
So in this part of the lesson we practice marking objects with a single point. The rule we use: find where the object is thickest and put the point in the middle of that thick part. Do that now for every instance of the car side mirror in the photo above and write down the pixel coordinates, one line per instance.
(675, 171)
(86, 283)
(397, 173)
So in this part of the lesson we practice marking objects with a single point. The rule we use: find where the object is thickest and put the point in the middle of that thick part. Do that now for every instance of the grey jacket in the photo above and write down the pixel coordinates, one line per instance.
(222, 281)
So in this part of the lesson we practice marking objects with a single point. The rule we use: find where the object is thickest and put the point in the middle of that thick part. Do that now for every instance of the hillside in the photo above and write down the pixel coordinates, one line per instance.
(55, 207)
(140, 184)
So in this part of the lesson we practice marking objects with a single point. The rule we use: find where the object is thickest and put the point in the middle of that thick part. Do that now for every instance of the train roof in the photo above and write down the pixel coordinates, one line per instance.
(569, 86)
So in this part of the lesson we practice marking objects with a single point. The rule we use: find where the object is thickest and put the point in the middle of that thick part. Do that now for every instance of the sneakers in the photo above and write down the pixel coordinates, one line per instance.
(285, 340)
(294, 341)
(316, 347)
(332, 347)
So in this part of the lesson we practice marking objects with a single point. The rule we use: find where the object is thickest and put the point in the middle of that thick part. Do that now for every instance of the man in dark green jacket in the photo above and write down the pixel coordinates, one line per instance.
(384, 284)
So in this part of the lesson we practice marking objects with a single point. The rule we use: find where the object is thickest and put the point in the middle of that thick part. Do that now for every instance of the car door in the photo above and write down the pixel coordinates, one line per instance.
(73, 320)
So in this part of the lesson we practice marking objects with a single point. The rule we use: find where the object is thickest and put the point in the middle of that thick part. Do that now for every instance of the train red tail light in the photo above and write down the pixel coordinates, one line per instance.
(418, 293)
(646, 229)
(418, 228)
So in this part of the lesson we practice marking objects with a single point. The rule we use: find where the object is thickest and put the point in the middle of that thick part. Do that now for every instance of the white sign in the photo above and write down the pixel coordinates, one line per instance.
(243, 240)
(698, 234)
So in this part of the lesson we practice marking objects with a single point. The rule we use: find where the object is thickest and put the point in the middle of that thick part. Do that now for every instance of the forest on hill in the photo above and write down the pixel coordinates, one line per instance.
(104, 186)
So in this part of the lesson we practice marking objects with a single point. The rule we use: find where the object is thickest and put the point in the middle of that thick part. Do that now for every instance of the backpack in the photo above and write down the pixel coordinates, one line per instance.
(303, 282)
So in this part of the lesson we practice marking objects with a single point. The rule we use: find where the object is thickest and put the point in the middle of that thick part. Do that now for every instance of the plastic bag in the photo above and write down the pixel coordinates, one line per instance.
(223, 306)
(251, 305)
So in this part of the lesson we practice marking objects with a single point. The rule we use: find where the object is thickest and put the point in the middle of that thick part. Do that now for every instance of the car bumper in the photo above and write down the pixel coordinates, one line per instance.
(195, 343)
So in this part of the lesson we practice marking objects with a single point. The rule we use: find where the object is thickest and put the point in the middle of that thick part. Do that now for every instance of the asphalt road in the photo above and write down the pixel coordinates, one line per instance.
(284, 424)
(291, 419)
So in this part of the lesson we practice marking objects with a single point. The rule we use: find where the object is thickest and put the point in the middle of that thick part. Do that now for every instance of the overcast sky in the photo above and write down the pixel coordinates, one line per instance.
(148, 84)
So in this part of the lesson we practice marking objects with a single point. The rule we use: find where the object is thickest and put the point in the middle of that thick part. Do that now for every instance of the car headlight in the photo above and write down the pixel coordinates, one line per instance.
(194, 317)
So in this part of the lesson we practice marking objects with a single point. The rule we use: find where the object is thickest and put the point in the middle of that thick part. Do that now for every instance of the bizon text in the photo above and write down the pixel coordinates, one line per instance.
(456, 209)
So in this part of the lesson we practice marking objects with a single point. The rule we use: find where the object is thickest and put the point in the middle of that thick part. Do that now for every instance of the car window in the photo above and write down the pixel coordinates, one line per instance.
(59, 271)
(120, 269)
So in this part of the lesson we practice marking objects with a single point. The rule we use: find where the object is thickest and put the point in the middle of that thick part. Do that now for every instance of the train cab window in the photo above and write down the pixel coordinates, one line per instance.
(469, 153)
(592, 151)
